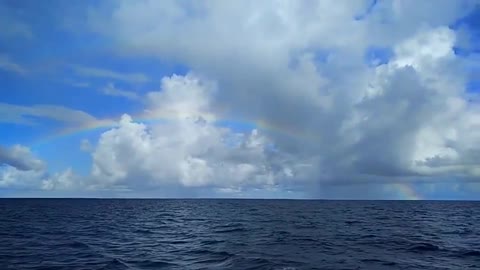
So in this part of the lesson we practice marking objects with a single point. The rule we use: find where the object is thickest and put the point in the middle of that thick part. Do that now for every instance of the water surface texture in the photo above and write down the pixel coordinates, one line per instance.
(238, 234)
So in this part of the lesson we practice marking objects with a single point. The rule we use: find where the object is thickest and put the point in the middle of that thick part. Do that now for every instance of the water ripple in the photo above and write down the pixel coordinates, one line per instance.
(237, 234)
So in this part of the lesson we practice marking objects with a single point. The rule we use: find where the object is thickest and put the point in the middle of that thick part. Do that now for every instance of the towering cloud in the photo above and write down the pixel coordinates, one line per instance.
(188, 148)
(335, 108)
(342, 97)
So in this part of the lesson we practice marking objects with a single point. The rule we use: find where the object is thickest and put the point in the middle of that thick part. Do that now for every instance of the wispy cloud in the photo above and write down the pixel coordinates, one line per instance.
(78, 84)
(13, 27)
(109, 74)
(111, 90)
(10, 113)
(8, 65)
(16, 29)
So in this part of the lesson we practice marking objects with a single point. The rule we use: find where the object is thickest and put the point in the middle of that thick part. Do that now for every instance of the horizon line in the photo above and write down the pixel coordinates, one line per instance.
(227, 198)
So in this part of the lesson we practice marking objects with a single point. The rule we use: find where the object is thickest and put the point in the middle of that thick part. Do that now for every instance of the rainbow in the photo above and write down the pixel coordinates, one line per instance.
(99, 125)
(406, 192)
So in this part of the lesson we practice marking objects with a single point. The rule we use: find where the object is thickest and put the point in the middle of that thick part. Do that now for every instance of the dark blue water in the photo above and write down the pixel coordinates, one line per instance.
(238, 234)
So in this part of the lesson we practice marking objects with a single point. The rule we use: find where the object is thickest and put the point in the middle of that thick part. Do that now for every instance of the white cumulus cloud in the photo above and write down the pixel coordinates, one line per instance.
(299, 67)
(187, 149)
(329, 120)
(21, 169)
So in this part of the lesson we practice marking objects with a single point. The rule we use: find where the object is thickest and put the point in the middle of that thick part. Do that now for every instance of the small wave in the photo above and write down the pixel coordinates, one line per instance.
(229, 225)
(211, 253)
(152, 264)
(382, 218)
(459, 232)
(168, 221)
(176, 242)
(258, 263)
(211, 242)
(212, 261)
(351, 222)
(305, 226)
(209, 259)
(282, 233)
(78, 244)
(115, 264)
(378, 261)
(367, 236)
(371, 260)
(239, 262)
(231, 230)
(143, 231)
(424, 247)
(470, 253)
(304, 239)
(165, 215)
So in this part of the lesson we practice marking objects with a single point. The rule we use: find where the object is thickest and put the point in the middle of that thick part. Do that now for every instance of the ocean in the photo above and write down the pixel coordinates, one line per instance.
(238, 234)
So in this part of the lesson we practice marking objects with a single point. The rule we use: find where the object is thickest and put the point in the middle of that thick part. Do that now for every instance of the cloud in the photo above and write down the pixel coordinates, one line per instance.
(8, 65)
(10, 113)
(66, 180)
(16, 29)
(13, 178)
(34, 180)
(24, 171)
(20, 158)
(187, 151)
(21, 169)
(182, 97)
(74, 83)
(12, 26)
(300, 68)
(328, 122)
(109, 74)
(111, 90)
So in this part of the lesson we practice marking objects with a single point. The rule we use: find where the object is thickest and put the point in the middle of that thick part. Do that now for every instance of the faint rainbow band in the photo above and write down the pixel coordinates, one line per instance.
(405, 190)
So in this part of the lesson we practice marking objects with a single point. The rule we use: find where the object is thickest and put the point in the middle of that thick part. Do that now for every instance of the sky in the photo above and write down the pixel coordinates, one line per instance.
(330, 99)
